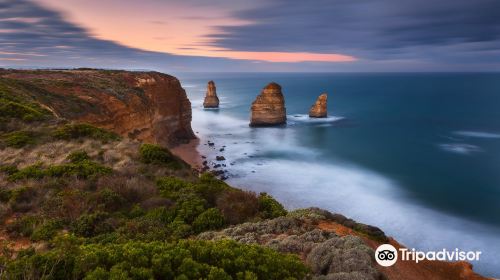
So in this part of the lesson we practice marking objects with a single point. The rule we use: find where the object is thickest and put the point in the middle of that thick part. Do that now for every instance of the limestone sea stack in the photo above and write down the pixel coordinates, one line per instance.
(268, 109)
(318, 110)
(211, 99)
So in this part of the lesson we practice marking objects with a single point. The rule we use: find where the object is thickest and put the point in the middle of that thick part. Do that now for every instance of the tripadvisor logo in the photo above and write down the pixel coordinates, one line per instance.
(387, 255)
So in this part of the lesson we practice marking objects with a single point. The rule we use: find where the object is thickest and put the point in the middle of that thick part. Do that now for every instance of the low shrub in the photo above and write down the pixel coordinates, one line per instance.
(47, 230)
(19, 139)
(81, 169)
(169, 187)
(24, 112)
(211, 219)
(78, 156)
(269, 208)
(75, 131)
(93, 224)
(187, 259)
(154, 154)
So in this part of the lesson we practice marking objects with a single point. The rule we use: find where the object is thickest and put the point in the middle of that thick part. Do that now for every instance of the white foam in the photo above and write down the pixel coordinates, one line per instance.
(303, 118)
(460, 148)
(478, 134)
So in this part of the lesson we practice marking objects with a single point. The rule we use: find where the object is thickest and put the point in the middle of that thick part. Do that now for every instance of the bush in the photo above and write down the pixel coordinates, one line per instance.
(83, 169)
(47, 230)
(187, 259)
(19, 139)
(75, 131)
(154, 154)
(24, 112)
(92, 224)
(78, 156)
(238, 206)
(34, 171)
(109, 200)
(170, 186)
(269, 208)
(189, 206)
(211, 219)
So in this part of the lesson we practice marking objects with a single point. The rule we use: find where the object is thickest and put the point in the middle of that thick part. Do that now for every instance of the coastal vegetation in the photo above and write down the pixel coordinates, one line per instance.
(80, 202)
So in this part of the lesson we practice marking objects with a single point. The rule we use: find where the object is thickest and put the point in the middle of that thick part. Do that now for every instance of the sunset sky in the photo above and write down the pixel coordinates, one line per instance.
(258, 35)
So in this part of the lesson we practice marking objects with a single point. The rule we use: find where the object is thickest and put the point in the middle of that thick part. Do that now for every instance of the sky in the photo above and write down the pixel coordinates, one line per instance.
(258, 35)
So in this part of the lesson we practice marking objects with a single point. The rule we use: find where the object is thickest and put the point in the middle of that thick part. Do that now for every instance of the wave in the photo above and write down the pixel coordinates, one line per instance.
(460, 148)
(477, 134)
(304, 118)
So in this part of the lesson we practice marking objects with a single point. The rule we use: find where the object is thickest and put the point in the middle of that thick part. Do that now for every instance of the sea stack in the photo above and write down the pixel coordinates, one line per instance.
(268, 109)
(211, 99)
(318, 110)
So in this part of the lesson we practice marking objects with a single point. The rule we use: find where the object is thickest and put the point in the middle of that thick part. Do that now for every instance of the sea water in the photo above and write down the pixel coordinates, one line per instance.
(417, 155)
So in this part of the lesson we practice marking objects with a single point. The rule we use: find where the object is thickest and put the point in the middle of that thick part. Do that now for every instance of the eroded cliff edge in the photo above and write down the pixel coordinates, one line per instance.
(148, 106)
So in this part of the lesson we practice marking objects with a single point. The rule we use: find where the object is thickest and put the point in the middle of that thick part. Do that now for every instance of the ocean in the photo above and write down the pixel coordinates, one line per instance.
(416, 154)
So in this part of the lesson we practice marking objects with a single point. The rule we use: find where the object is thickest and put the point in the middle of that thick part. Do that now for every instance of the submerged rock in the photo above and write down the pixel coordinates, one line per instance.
(319, 110)
(211, 99)
(268, 109)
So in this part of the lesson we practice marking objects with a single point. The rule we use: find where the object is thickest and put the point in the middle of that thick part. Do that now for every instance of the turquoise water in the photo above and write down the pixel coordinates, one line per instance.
(415, 154)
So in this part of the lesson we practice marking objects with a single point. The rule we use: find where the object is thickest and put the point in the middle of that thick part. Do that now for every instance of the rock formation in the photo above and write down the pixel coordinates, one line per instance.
(268, 109)
(148, 106)
(211, 99)
(319, 110)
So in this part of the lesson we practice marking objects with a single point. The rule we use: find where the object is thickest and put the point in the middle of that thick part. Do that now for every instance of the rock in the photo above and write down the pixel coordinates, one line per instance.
(211, 99)
(318, 110)
(268, 109)
(148, 106)
(220, 158)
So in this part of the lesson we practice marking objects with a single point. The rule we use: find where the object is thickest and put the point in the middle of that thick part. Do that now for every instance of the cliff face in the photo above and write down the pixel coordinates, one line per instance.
(268, 109)
(148, 106)
(211, 99)
(319, 110)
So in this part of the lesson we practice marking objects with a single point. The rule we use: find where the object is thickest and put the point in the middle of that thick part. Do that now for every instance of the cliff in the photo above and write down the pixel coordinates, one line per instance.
(268, 109)
(211, 99)
(147, 106)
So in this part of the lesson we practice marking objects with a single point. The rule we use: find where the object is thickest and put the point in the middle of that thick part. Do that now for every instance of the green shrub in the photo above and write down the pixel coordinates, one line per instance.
(154, 154)
(211, 219)
(19, 139)
(34, 171)
(8, 169)
(109, 200)
(92, 224)
(75, 131)
(84, 169)
(170, 186)
(47, 230)
(189, 206)
(24, 112)
(78, 156)
(269, 208)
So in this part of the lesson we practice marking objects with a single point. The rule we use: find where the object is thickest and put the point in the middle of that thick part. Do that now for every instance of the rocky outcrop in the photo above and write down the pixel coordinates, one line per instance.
(148, 106)
(319, 110)
(211, 99)
(268, 109)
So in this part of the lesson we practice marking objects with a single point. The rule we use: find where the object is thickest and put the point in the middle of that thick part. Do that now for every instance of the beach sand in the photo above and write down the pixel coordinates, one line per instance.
(189, 153)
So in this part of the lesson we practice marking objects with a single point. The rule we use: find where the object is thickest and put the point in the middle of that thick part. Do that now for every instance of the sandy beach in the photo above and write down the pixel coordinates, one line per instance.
(189, 153)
